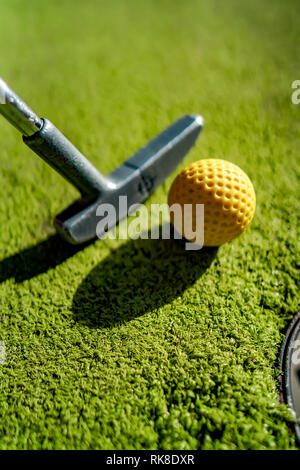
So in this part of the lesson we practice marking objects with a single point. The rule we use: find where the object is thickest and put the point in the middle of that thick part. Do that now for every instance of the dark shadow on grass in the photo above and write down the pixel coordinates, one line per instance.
(37, 259)
(138, 277)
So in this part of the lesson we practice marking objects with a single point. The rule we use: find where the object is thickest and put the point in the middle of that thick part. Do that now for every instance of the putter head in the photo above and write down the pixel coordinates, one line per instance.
(131, 183)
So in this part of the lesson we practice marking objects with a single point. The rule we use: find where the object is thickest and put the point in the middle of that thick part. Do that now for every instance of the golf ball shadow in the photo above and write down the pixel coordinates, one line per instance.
(137, 278)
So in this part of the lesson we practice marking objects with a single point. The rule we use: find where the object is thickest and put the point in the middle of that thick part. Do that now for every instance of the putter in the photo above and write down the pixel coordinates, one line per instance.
(136, 178)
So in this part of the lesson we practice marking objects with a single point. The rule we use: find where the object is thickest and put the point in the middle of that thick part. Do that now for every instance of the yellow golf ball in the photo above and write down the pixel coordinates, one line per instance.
(226, 192)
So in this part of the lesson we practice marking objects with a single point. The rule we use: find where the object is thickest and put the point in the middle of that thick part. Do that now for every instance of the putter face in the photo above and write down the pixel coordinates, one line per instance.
(136, 179)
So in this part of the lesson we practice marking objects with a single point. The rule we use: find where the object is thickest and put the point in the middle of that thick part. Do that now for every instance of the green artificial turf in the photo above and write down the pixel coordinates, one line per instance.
(138, 344)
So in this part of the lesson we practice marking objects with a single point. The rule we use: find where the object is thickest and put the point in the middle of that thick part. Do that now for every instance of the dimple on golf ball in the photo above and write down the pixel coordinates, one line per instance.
(226, 192)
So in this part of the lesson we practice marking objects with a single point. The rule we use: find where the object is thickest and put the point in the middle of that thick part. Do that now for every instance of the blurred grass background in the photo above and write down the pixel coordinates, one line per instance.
(134, 344)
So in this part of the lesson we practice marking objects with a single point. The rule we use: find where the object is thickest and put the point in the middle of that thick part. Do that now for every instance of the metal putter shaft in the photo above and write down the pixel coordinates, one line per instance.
(136, 178)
